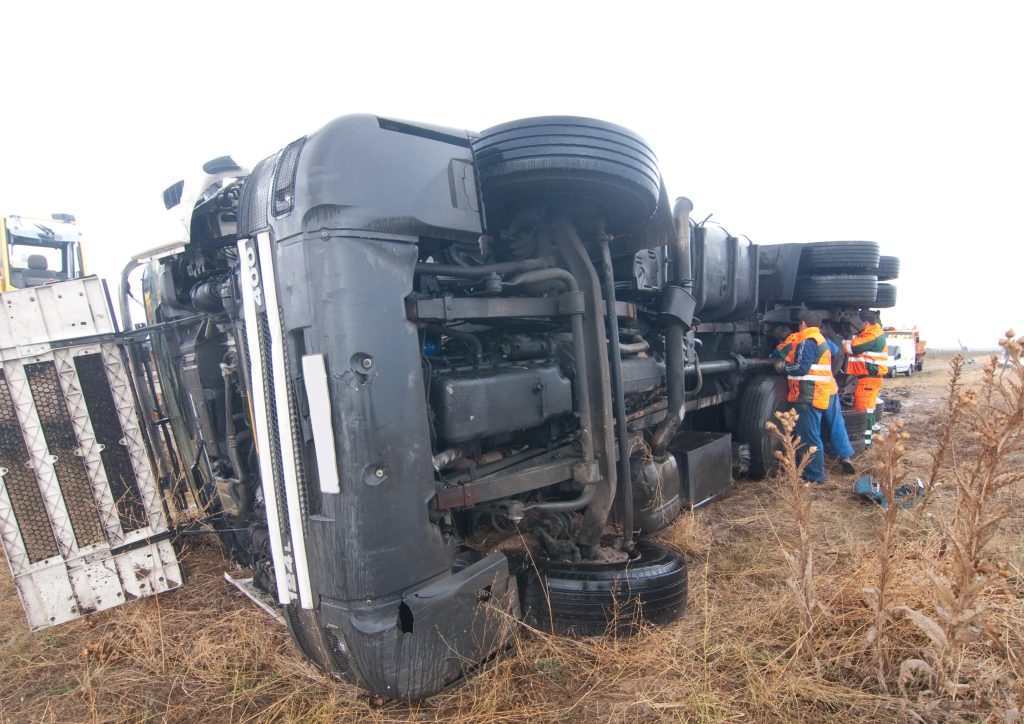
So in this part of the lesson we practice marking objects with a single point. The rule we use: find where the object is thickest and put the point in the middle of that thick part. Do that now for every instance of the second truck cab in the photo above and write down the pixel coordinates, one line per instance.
(39, 251)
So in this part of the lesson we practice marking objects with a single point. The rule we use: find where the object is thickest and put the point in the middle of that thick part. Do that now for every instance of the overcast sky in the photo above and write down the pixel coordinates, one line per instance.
(901, 123)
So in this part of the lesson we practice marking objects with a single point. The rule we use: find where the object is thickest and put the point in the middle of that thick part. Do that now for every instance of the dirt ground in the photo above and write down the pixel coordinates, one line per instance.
(204, 653)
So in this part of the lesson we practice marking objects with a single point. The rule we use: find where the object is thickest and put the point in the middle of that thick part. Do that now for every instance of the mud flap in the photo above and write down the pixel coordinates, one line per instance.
(83, 524)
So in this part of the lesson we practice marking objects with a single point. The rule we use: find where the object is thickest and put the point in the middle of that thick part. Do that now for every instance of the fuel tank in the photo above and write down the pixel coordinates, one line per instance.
(725, 270)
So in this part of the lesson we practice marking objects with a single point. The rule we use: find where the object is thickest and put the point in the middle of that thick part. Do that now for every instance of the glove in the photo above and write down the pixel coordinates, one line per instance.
(780, 366)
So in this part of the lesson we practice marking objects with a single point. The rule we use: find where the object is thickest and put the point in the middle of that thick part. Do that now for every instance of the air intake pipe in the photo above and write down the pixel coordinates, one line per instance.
(677, 313)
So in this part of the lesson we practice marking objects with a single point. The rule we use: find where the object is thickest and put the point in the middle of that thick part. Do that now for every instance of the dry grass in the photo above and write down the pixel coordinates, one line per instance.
(889, 478)
(969, 596)
(205, 654)
(799, 552)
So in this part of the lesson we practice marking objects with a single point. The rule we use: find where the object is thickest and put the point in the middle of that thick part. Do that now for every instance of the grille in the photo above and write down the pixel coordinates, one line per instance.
(299, 632)
(72, 477)
(252, 210)
(263, 330)
(339, 655)
(297, 444)
(20, 480)
(106, 425)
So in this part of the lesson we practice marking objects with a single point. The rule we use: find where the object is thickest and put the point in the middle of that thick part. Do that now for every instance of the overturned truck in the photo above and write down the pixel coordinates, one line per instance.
(426, 382)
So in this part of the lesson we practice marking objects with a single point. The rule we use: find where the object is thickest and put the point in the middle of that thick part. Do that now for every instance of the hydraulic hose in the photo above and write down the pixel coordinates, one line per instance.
(634, 347)
(506, 267)
(700, 375)
(470, 340)
(565, 506)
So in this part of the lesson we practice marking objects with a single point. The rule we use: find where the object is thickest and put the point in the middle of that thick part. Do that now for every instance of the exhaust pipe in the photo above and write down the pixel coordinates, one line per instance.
(677, 312)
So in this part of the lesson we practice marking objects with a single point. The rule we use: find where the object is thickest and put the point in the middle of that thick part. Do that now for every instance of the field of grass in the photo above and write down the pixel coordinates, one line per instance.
(204, 653)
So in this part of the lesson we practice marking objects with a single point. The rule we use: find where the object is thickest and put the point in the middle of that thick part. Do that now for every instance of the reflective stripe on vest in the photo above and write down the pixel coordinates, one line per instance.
(869, 357)
(817, 386)
(872, 362)
(817, 372)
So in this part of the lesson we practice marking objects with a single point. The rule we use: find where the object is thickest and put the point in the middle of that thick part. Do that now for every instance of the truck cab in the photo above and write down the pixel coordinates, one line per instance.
(39, 251)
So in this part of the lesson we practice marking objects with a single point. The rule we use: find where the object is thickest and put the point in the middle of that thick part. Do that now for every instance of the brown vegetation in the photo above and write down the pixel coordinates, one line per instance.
(796, 493)
(948, 576)
(889, 476)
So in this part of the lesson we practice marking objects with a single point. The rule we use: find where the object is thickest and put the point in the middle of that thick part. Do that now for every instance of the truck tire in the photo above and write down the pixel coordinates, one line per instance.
(839, 256)
(590, 599)
(761, 399)
(885, 297)
(855, 290)
(578, 159)
(856, 422)
(888, 268)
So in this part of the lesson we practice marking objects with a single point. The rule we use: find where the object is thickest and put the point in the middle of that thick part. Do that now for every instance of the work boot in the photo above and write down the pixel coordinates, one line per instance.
(847, 466)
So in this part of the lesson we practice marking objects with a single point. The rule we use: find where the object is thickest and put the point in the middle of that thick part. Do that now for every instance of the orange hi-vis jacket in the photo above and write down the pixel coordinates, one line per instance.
(868, 353)
(816, 385)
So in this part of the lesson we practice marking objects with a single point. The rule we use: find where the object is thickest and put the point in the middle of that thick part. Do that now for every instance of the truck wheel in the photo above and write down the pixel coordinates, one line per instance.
(837, 289)
(856, 422)
(762, 398)
(588, 599)
(888, 268)
(579, 159)
(885, 297)
(839, 256)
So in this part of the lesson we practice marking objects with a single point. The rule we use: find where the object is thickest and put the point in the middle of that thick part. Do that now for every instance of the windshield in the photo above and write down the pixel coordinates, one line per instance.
(33, 261)
(48, 256)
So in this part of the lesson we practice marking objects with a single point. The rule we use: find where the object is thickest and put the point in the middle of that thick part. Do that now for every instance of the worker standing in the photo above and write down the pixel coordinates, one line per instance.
(832, 421)
(867, 355)
(808, 367)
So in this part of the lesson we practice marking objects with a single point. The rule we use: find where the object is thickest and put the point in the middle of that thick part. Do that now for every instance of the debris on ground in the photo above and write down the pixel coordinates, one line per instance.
(891, 405)
(905, 495)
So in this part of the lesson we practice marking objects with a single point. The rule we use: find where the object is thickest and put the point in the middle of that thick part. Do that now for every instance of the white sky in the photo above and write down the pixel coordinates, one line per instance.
(897, 122)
